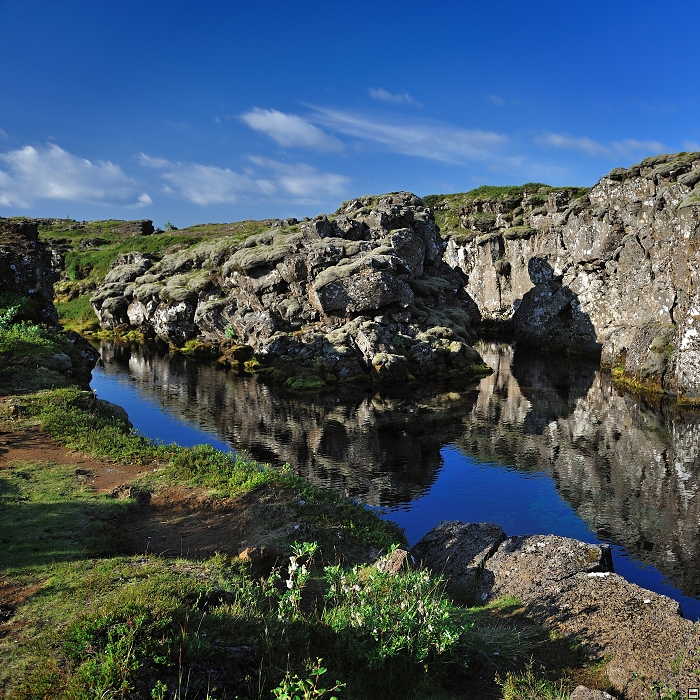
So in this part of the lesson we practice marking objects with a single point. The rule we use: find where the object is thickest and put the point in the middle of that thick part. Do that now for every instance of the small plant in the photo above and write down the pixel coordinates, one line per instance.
(527, 686)
(299, 572)
(377, 616)
(169, 226)
(295, 688)
(230, 333)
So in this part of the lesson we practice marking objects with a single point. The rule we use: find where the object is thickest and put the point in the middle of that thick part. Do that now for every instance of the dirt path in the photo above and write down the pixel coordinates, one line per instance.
(178, 521)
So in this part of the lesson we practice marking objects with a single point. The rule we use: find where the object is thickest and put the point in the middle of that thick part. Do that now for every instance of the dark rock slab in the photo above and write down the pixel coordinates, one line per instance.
(458, 551)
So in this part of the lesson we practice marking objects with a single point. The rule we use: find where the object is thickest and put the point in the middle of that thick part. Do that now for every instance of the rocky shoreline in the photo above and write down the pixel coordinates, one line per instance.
(570, 586)
(395, 288)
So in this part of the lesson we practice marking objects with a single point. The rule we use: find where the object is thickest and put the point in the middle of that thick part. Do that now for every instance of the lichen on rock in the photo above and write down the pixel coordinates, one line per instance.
(362, 295)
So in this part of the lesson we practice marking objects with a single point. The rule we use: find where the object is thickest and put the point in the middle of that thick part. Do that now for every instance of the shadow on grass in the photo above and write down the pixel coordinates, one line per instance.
(47, 515)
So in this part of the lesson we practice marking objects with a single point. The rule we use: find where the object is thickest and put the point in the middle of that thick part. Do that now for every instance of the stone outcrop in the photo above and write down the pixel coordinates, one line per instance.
(28, 276)
(361, 295)
(609, 271)
(567, 586)
(26, 270)
(458, 551)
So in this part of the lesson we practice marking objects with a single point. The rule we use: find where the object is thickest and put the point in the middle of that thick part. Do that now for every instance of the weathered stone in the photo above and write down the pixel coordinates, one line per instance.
(302, 301)
(262, 560)
(523, 565)
(583, 693)
(458, 552)
(113, 410)
(59, 362)
(398, 561)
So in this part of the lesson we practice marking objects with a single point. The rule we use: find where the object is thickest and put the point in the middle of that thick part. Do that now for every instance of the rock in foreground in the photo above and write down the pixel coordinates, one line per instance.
(567, 585)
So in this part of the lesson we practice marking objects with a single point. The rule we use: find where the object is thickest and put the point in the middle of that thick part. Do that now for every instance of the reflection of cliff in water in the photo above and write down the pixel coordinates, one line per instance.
(382, 449)
(632, 472)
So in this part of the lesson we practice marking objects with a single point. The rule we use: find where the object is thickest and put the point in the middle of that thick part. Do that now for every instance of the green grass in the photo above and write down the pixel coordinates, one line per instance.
(77, 314)
(528, 686)
(39, 503)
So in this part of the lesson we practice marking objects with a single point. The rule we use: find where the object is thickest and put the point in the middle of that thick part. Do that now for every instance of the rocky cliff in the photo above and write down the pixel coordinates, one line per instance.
(361, 295)
(34, 354)
(26, 270)
(609, 271)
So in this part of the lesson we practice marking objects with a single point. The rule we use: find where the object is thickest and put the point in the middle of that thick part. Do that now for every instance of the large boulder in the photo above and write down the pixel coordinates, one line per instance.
(569, 586)
(362, 295)
(458, 552)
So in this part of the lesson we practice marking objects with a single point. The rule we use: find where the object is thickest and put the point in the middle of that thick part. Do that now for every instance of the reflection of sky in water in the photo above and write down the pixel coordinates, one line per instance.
(522, 504)
(465, 489)
(146, 413)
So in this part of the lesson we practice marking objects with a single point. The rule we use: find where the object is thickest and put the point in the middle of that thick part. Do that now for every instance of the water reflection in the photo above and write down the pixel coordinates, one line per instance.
(630, 470)
(599, 459)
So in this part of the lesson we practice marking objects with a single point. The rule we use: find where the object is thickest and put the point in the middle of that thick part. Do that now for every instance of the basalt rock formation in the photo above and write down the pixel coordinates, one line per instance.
(27, 274)
(26, 269)
(361, 295)
(611, 271)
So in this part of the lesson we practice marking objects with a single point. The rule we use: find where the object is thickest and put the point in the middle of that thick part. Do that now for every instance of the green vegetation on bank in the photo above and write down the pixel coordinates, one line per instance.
(479, 206)
(97, 619)
(32, 354)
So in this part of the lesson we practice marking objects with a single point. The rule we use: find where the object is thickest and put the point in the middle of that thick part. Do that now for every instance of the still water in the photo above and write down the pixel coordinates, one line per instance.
(543, 445)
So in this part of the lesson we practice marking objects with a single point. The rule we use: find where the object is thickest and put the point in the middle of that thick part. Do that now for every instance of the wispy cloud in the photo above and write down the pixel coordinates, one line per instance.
(3, 134)
(393, 98)
(423, 138)
(691, 145)
(268, 179)
(496, 99)
(51, 173)
(629, 148)
(290, 130)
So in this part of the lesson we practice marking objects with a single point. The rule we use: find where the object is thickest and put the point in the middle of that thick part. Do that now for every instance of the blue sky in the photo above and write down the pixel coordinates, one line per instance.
(222, 111)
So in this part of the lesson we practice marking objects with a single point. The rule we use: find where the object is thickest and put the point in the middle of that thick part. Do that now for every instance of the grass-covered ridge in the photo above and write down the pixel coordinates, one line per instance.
(462, 215)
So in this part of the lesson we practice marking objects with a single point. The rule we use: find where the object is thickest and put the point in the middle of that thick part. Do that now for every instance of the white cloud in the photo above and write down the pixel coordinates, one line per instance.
(394, 98)
(3, 134)
(498, 101)
(691, 145)
(629, 148)
(269, 179)
(423, 138)
(289, 130)
(52, 173)
(304, 181)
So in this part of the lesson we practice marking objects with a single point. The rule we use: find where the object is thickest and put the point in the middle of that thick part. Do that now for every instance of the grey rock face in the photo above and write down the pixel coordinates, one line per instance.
(589, 274)
(363, 295)
(564, 586)
(26, 268)
(458, 551)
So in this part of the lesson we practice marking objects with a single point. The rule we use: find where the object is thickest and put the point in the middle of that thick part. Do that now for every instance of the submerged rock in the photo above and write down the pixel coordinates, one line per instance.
(363, 295)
